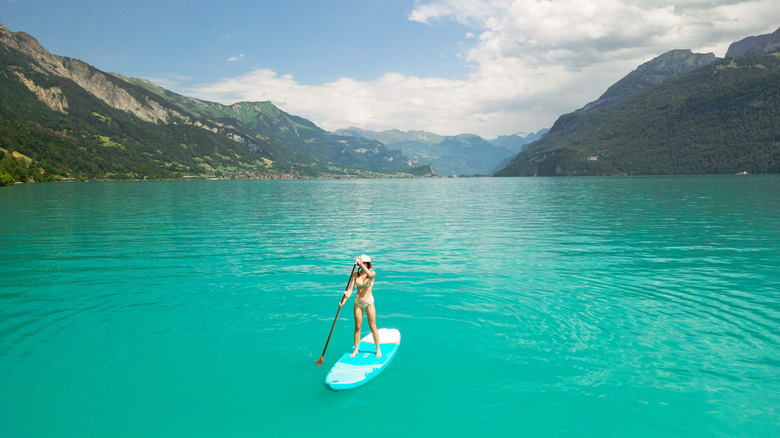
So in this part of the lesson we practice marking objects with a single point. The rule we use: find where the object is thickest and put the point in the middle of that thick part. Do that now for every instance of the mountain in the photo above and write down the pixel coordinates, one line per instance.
(667, 66)
(720, 117)
(755, 45)
(393, 136)
(517, 142)
(73, 120)
(307, 140)
(465, 154)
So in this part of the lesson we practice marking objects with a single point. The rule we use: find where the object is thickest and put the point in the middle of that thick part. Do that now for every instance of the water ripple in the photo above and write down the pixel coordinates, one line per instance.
(648, 297)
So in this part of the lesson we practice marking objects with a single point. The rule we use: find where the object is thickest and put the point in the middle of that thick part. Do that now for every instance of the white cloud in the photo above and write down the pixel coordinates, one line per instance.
(535, 60)
(235, 58)
(462, 11)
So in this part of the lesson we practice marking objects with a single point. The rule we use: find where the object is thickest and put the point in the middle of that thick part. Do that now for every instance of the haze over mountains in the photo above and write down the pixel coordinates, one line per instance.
(465, 154)
(678, 113)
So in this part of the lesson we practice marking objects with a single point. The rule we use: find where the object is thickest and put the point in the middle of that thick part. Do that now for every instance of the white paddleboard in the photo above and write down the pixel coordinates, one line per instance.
(351, 372)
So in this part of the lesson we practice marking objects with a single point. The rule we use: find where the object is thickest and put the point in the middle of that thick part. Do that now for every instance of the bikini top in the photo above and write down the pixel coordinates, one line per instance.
(368, 282)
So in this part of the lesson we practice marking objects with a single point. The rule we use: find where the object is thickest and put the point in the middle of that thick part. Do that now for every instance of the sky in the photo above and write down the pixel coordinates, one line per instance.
(486, 67)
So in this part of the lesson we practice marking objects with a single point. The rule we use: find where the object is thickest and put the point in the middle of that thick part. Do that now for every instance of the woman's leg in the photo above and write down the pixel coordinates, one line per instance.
(358, 325)
(371, 313)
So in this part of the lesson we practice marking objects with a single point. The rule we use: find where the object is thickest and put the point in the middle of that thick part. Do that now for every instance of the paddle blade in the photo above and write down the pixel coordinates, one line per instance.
(319, 362)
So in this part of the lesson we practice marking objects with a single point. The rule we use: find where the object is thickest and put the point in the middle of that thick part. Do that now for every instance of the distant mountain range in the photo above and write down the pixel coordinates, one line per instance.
(680, 113)
(465, 154)
(71, 120)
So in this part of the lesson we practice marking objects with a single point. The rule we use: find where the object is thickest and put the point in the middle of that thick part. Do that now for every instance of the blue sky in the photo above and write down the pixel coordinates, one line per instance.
(489, 67)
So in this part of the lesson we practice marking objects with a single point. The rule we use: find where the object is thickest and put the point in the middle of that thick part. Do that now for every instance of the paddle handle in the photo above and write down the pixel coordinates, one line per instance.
(319, 362)
(350, 277)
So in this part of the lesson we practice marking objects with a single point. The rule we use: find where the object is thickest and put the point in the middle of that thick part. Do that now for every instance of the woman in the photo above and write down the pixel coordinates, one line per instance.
(364, 300)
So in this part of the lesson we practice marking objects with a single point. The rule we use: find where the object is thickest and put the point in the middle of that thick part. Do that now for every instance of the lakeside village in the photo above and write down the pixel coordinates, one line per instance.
(22, 174)
(420, 172)
(244, 176)
(320, 176)
(131, 176)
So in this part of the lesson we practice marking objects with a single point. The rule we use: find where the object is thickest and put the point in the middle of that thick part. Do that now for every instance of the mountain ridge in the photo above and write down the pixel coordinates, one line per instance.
(669, 65)
(246, 139)
(718, 118)
(755, 45)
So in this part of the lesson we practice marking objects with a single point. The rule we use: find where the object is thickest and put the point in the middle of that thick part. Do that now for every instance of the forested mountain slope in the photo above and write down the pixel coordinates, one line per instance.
(73, 121)
(719, 118)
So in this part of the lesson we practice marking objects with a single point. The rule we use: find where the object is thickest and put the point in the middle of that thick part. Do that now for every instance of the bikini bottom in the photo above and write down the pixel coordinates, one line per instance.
(363, 303)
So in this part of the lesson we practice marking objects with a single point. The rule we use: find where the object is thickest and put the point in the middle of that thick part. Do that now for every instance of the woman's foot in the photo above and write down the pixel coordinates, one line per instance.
(354, 353)
(378, 353)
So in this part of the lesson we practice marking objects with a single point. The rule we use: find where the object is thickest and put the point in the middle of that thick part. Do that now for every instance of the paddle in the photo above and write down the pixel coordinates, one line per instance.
(319, 362)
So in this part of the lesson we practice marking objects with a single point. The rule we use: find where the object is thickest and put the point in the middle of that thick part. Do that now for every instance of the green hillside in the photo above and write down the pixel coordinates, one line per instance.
(721, 118)
(290, 138)
(73, 121)
(93, 140)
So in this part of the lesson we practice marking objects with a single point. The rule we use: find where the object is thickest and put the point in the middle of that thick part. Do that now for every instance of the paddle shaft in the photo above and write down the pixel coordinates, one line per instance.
(319, 362)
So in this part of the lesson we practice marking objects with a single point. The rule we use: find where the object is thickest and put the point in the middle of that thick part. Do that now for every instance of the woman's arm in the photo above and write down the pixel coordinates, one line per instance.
(363, 267)
(348, 291)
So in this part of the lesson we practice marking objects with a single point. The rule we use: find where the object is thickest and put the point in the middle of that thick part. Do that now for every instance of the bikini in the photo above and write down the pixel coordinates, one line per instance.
(361, 302)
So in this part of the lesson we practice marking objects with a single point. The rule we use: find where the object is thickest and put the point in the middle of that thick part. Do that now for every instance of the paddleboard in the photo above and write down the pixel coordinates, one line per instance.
(351, 372)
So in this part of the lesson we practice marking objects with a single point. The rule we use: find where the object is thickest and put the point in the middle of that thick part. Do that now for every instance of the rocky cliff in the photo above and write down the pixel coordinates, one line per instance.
(671, 64)
(90, 79)
(755, 45)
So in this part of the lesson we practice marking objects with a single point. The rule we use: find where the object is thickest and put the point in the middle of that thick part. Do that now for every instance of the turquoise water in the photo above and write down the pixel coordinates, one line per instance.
(529, 307)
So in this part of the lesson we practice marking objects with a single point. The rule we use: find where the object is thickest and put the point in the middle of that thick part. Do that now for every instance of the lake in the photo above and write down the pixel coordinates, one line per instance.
(588, 307)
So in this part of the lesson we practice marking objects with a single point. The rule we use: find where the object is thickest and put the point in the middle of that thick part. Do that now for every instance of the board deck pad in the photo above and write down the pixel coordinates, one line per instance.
(351, 372)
